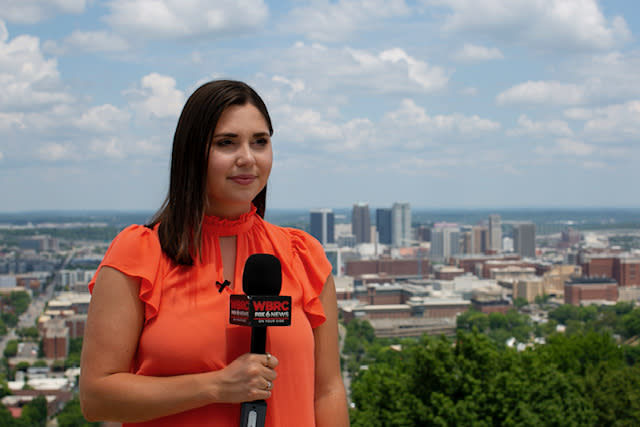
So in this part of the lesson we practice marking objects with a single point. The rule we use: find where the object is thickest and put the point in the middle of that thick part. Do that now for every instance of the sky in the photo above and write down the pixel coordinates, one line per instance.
(440, 103)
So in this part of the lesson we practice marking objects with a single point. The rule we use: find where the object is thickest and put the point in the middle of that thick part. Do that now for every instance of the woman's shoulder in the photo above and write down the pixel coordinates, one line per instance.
(137, 238)
(299, 239)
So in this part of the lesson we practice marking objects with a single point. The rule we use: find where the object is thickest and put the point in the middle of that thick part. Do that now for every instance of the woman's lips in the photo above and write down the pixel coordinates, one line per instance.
(243, 179)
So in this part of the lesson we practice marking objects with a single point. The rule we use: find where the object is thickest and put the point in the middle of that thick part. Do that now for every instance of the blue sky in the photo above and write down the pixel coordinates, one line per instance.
(442, 103)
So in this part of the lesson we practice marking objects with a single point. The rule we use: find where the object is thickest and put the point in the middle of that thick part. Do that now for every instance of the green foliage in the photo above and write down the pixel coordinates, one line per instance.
(75, 349)
(471, 381)
(30, 332)
(520, 302)
(22, 366)
(3, 327)
(20, 301)
(500, 327)
(71, 416)
(9, 318)
(11, 349)
(34, 413)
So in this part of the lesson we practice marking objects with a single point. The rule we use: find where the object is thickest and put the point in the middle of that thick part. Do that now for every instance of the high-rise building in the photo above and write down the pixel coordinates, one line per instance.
(383, 225)
(322, 225)
(361, 223)
(524, 240)
(495, 233)
(445, 241)
(401, 224)
(479, 239)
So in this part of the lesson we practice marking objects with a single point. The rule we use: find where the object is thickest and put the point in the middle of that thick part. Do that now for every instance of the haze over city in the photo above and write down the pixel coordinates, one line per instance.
(442, 103)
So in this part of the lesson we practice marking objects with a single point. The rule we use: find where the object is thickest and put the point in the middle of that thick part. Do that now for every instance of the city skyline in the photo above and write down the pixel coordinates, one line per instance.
(442, 103)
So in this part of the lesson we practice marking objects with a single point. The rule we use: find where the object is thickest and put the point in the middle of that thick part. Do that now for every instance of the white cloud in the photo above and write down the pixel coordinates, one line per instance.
(11, 121)
(548, 24)
(88, 41)
(112, 148)
(103, 118)
(169, 19)
(412, 116)
(33, 11)
(408, 128)
(474, 53)
(614, 122)
(591, 164)
(4, 33)
(469, 91)
(327, 21)
(390, 70)
(295, 86)
(54, 152)
(158, 97)
(27, 79)
(574, 148)
(528, 127)
(543, 92)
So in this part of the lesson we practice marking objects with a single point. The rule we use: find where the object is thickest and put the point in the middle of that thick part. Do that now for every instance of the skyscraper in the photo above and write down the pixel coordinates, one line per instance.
(322, 225)
(479, 239)
(495, 233)
(361, 223)
(445, 241)
(524, 240)
(383, 225)
(401, 224)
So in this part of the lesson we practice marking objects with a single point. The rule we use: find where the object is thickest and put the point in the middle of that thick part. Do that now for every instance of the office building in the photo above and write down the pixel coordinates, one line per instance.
(495, 233)
(590, 290)
(524, 240)
(322, 225)
(401, 224)
(479, 239)
(445, 241)
(383, 225)
(361, 223)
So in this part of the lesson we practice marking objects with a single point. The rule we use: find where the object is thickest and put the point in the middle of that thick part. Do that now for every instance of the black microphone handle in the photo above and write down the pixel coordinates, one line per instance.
(258, 339)
(254, 414)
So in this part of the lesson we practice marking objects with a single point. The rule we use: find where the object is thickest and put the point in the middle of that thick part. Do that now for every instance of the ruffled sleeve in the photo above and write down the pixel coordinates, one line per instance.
(315, 268)
(136, 252)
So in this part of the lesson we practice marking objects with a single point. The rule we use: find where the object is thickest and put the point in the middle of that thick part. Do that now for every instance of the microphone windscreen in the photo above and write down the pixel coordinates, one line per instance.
(262, 275)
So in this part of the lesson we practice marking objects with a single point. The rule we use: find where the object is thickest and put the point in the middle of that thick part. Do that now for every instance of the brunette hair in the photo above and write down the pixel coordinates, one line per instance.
(180, 216)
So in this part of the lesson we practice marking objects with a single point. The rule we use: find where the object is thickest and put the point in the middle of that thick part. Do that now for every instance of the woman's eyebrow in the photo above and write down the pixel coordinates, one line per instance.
(233, 135)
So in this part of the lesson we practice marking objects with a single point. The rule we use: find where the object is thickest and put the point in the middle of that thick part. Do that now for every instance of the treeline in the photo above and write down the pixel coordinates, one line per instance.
(584, 376)
(96, 234)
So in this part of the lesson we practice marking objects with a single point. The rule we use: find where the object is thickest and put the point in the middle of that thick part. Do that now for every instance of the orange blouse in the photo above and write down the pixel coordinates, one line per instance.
(186, 327)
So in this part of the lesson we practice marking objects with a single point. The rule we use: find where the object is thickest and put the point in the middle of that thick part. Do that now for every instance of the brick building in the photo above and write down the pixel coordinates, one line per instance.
(623, 268)
(56, 340)
(447, 272)
(388, 267)
(590, 290)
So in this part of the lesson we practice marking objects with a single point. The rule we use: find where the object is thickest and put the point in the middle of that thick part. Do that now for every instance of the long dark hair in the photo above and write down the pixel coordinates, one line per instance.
(181, 215)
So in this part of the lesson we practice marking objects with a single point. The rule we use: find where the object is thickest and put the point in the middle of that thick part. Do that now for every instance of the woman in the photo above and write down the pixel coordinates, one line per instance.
(158, 347)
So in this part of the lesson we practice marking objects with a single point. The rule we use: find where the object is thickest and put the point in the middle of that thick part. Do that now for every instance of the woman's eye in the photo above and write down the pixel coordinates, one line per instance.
(224, 143)
(262, 141)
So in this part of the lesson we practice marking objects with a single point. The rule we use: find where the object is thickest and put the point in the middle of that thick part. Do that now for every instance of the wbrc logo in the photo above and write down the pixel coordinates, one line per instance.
(260, 310)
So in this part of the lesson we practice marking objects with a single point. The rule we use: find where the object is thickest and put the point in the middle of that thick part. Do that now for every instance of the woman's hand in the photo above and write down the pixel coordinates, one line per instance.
(250, 377)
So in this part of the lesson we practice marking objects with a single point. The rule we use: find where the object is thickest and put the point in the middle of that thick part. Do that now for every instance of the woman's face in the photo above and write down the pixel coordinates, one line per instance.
(240, 160)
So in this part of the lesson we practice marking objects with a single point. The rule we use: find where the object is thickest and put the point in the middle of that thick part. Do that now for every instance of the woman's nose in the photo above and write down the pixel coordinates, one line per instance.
(245, 155)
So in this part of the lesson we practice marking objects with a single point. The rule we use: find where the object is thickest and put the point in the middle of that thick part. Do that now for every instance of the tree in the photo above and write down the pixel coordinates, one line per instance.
(11, 349)
(71, 416)
(34, 413)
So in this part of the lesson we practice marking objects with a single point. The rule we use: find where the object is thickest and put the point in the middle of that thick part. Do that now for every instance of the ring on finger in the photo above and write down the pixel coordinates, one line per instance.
(268, 358)
(269, 385)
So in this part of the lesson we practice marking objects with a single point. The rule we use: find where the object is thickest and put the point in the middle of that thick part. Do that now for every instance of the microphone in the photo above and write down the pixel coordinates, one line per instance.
(260, 307)
(262, 276)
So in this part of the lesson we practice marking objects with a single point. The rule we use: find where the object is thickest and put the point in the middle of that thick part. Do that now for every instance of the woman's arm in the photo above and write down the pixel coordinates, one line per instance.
(331, 398)
(109, 391)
